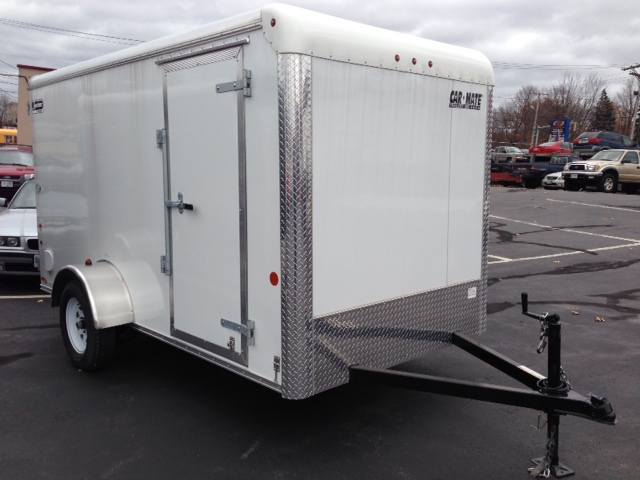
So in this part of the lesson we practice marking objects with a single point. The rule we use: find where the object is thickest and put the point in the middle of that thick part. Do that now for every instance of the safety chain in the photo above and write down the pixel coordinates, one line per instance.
(543, 469)
(544, 334)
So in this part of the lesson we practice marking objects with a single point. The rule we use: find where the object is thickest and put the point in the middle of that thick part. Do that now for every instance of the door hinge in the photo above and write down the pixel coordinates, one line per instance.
(244, 84)
(164, 265)
(161, 137)
(244, 330)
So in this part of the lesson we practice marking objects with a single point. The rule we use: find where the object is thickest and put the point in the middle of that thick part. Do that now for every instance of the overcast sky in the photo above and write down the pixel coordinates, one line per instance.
(528, 42)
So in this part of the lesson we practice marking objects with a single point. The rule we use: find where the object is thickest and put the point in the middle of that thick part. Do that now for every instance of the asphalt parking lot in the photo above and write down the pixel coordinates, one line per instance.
(158, 413)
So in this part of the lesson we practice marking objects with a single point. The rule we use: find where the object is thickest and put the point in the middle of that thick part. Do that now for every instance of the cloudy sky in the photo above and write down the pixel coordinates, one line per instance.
(528, 42)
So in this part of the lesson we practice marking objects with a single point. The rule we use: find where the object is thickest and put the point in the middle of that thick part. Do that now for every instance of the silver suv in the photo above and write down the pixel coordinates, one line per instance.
(605, 170)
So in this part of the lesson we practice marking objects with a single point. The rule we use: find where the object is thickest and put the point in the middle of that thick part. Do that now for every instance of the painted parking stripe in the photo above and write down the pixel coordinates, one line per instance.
(596, 206)
(565, 254)
(569, 230)
(629, 242)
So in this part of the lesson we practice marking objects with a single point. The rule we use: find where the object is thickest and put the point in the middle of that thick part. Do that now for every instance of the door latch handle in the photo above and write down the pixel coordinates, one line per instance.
(180, 205)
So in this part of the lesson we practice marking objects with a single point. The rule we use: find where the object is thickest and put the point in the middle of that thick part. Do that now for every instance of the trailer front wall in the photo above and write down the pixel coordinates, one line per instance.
(385, 232)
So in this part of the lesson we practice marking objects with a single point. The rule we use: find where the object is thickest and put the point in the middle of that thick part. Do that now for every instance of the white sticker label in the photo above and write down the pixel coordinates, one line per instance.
(472, 293)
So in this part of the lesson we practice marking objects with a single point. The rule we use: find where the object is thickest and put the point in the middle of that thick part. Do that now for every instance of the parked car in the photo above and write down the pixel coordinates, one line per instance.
(605, 170)
(533, 173)
(508, 154)
(501, 174)
(553, 181)
(551, 148)
(19, 233)
(589, 143)
(16, 167)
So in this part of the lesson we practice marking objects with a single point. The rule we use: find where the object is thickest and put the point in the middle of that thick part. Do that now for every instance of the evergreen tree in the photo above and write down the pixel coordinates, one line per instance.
(604, 117)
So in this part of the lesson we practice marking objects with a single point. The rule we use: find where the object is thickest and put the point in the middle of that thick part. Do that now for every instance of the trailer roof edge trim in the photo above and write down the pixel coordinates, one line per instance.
(199, 38)
(295, 30)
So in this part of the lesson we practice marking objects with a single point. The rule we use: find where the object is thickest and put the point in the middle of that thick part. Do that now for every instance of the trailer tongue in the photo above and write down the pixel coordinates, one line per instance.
(552, 394)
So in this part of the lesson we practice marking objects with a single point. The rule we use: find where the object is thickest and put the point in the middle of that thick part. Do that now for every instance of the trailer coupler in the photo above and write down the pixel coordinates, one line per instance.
(552, 394)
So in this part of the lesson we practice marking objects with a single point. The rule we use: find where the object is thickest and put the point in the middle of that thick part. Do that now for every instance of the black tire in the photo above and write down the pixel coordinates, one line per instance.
(548, 188)
(570, 186)
(630, 188)
(88, 348)
(608, 183)
(531, 184)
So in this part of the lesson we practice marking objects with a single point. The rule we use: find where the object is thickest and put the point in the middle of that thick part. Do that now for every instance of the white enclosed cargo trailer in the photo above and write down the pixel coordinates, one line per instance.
(282, 193)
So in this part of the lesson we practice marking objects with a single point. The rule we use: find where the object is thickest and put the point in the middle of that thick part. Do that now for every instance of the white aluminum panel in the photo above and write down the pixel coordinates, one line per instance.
(380, 185)
(467, 167)
(101, 178)
(263, 207)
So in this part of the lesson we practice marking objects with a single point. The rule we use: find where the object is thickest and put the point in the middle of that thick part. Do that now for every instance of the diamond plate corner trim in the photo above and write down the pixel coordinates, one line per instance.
(483, 294)
(294, 119)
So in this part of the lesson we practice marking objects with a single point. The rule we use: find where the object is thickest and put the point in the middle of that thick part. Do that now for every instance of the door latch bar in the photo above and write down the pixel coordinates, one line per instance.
(180, 205)
(244, 330)
(244, 84)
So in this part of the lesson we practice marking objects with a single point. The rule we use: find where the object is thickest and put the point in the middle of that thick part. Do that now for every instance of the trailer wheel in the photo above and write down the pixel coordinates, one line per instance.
(88, 348)
(608, 183)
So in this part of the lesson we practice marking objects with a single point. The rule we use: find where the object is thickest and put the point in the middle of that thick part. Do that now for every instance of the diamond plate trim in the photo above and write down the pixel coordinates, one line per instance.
(294, 112)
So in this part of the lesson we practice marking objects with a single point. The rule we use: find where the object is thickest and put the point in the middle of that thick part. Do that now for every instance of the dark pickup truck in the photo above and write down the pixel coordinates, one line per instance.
(532, 174)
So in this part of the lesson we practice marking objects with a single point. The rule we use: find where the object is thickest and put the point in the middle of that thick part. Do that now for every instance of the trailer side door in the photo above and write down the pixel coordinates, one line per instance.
(207, 207)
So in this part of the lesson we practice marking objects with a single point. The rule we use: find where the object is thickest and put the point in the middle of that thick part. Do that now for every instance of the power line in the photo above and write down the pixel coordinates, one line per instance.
(70, 33)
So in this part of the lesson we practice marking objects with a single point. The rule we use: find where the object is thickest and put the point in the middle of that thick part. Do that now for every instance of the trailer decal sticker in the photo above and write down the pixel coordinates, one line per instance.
(469, 101)
(37, 106)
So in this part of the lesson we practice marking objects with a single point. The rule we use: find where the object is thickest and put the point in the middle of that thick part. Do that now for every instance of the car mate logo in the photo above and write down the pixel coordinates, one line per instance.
(469, 101)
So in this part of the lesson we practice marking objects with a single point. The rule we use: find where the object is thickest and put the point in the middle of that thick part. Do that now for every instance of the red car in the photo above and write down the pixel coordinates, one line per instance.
(551, 148)
(16, 167)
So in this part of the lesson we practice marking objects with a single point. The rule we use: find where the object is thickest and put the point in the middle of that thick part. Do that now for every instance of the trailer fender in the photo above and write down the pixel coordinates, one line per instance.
(106, 291)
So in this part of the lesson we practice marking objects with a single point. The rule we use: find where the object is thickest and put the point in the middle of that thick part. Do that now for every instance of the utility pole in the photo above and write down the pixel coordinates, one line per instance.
(534, 133)
(637, 93)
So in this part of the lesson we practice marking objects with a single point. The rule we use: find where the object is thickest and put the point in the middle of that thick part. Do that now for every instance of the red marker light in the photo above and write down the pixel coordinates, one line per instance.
(430, 64)
(273, 22)
(397, 58)
(88, 262)
(274, 279)
(414, 61)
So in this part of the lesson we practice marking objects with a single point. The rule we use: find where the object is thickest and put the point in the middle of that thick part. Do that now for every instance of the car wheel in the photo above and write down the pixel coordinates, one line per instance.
(548, 188)
(570, 186)
(531, 184)
(608, 183)
(88, 348)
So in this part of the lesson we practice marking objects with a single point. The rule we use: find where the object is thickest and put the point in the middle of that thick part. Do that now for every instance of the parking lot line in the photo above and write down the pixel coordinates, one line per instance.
(596, 206)
(629, 242)
(569, 230)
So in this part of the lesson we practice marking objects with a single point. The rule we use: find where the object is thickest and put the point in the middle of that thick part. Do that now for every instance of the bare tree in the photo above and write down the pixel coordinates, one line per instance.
(573, 97)
(5, 102)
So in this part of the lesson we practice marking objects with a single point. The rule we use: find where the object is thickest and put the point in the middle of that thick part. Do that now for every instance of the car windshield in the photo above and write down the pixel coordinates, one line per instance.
(607, 155)
(25, 198)
(548, 144)
(513, 150)
(16, 157)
